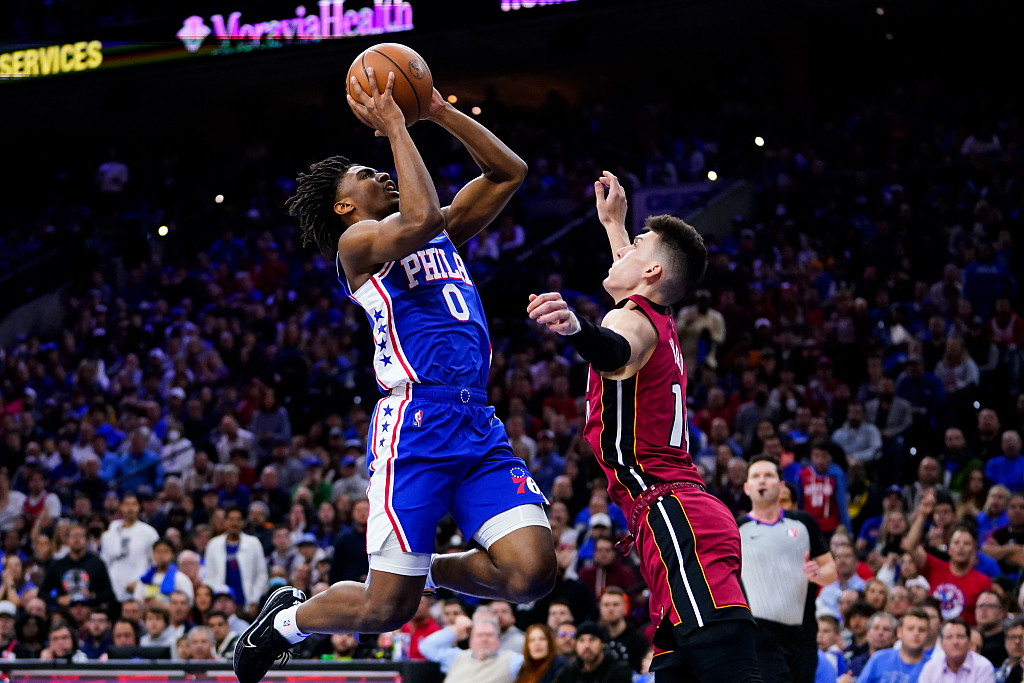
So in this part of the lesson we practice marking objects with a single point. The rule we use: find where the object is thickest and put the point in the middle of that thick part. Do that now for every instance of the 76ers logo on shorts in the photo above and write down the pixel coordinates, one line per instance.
(521, 477)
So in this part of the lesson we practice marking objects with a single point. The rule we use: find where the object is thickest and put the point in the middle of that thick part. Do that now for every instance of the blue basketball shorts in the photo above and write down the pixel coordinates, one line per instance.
(435, 450)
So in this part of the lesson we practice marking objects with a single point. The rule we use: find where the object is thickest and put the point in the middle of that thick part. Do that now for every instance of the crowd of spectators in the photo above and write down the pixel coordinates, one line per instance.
(196, 436)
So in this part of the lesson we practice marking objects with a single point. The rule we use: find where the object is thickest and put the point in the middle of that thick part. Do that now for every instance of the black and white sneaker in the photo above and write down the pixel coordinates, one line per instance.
(261, 645)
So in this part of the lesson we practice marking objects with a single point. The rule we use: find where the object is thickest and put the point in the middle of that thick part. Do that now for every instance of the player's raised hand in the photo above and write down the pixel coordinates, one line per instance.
(611, 206)
(551, 310)
(437, 105)
(377, 109)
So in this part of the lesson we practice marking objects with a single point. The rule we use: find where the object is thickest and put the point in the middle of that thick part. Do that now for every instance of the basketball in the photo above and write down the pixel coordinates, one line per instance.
(413, 83)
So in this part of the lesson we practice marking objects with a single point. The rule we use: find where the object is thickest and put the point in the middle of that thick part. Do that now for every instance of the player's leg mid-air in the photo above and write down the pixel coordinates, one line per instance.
(688, 541)
(434, 446)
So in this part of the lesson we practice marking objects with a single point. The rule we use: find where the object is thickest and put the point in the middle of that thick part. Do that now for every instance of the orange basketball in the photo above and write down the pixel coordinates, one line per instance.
(413, 82)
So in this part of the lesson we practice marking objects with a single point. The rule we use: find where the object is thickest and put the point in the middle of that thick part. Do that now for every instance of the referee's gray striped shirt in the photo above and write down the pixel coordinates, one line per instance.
(773, 561)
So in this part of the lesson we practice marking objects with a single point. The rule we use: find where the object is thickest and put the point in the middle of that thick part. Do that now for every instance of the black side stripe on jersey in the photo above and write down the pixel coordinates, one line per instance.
(674, 538)
(617, 444)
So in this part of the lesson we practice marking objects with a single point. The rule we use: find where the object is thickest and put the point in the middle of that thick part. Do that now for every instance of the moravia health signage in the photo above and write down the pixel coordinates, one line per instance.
(333, 20)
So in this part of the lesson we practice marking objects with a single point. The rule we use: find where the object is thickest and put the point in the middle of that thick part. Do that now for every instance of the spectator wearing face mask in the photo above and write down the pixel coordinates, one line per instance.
(178, 453)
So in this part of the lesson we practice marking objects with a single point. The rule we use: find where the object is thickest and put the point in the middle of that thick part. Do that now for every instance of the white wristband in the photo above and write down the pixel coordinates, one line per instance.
(574, 323)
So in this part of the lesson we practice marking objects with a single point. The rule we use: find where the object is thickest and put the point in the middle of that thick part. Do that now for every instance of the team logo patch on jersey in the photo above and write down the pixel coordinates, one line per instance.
(793, 533)
(521, 477)
(418, 417)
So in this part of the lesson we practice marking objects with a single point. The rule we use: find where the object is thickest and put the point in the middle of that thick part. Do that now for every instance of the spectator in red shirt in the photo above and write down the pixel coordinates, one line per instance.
(1007, 327)
(421, 626)
(956, 584)
(272, 273)
(560, 399)
(821, 490)
(717, 407)
(607, 570)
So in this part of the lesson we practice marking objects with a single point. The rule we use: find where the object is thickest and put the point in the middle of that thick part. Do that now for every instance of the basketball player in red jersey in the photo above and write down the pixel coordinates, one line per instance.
(688, 541)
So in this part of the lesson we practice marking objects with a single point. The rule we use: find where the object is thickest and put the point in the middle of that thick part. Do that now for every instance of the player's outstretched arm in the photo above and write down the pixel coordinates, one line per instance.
(366, 244)
(611, 211)
(483, 198)
(617, 349)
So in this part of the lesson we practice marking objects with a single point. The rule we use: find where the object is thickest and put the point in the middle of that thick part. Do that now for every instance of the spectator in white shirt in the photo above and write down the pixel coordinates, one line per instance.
(236, 559)
(82, 448)
(127, 548)
(178, 454)
(233, 437)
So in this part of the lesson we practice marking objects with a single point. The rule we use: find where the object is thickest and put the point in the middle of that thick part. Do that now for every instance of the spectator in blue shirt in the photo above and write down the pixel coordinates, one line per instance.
(987, 279)
(110, 461)
(903, 665)
(923, 389)
(1007, 469)
(140, 466)
(231, 493)
(546, 463)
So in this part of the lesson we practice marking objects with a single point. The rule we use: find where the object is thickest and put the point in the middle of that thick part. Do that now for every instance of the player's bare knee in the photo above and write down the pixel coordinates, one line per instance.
(387, 615)
(532, 578)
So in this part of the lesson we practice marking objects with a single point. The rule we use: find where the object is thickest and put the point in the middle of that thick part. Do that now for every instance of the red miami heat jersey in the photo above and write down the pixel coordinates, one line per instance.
(637, 426)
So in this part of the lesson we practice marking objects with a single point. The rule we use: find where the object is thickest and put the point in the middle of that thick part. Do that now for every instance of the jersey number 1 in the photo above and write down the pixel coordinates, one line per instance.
(679, 427)
(456, 304)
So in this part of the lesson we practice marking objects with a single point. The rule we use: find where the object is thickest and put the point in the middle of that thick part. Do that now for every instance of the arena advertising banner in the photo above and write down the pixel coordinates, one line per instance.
(50, 60)
(231, 32)
(510, 5)
(332, 21)
(155, 35)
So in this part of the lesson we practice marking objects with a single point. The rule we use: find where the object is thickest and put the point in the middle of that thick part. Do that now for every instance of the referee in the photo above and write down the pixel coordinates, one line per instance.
(777, 575)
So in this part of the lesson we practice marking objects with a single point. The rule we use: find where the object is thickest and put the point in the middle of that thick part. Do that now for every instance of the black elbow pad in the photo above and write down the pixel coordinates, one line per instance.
(606, 350)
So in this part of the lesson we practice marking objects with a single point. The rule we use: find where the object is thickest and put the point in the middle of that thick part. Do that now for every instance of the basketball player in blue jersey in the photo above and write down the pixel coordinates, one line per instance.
(434, 446)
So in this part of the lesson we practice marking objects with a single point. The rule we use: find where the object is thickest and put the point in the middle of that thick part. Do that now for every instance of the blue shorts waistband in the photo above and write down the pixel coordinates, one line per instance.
(443, 394)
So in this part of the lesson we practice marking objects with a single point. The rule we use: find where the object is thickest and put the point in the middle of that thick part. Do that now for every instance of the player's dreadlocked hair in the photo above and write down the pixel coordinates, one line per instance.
(313, 203)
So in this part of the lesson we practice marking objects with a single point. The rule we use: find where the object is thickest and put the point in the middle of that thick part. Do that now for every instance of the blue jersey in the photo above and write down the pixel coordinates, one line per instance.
(427, 320)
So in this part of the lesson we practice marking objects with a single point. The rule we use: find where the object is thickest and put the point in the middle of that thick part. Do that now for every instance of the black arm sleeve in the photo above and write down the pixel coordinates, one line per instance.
(606, 350)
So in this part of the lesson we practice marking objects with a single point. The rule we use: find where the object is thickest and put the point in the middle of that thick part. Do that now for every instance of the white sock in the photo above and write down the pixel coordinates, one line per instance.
(284, 622)
(430, 585)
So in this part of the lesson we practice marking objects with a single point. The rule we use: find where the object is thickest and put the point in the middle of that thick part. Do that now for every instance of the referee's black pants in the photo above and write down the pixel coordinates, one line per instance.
(784, 653)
